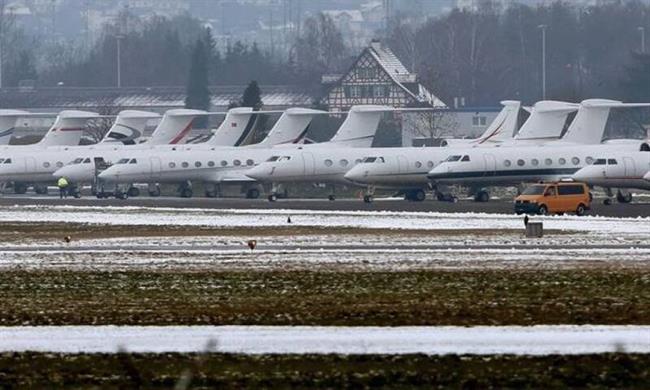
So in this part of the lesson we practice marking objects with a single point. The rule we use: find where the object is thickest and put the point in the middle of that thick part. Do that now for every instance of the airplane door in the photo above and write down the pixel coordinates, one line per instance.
(490, 165)
(403, 164)
(630, 169)
(156, 166)
(30, 164)
(308, 163)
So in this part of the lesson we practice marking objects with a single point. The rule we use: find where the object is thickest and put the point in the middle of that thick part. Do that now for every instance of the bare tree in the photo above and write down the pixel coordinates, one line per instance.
(433, 124)
(97, 128)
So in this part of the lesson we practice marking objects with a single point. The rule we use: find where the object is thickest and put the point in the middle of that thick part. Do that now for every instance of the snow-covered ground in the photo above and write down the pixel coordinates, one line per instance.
(271, 218)
(482, 340)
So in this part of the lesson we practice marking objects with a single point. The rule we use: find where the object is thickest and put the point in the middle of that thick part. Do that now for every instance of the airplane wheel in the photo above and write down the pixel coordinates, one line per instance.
(419, 196)
(482, 197)
(41, 190)
(133, 192)
(210, 194)
(253, 193)
(122, 195)
(155, 193)
(367, 198)
(607, 202)
(20, 188)
(331, 198)
(77, 194)
(273, 198)
(623, 198)
(186, 193)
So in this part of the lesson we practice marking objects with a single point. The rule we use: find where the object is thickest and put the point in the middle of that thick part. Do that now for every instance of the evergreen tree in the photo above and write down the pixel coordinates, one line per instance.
(252, 96)
(198, 94)
(636, 84)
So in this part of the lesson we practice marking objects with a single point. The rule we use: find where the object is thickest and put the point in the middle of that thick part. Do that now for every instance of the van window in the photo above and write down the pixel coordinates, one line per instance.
(550, 191)
(571, 190)
(534, 190)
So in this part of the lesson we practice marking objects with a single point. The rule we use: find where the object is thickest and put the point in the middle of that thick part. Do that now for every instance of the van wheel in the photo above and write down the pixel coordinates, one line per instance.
(542, 210)
(580, 210)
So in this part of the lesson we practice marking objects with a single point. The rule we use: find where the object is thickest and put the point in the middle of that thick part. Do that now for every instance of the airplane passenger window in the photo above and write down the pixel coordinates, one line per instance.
(507, 163)
(430, 164)
(535, 162)
(236, 163)
(197, 164)
(184, 164)
(465, 158)
(611, 161)
(600, 161)
(521, 162)
(250, 162)
(58, 163)
(575, 161)
(210, 163)
(224, 163)
(172, 165)
(562, 161)
(548, 161)
(589, 160)
(46, 164)
(133, 161)
(328, 163)
(418, 164)
(344, 163)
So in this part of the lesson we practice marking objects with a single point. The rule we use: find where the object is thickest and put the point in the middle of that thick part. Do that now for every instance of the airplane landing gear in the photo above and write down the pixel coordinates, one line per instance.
(253, 193)
(133, 191)
(20, 188)
(415, 195)
(623, 197)
(368, 199)
(482, 196)
(153, 190)
(273, 197)
(185, 190)
(331, 197)
(40, 189)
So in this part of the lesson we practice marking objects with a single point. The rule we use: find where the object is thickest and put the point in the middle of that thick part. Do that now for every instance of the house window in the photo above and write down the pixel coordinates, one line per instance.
(380, 91)
(355, 91)
(479, 121)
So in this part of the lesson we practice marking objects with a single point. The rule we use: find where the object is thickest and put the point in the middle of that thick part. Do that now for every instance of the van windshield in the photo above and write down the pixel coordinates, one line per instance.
(534, 190)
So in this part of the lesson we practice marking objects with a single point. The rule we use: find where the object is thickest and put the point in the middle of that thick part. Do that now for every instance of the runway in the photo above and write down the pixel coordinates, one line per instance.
(640, 208)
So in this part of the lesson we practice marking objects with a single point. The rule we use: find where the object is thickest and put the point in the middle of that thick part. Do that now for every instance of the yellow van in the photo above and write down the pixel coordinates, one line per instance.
(556, 197)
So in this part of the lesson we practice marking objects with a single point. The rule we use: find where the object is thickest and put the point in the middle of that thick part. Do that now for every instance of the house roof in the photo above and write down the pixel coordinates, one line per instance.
(155, 97)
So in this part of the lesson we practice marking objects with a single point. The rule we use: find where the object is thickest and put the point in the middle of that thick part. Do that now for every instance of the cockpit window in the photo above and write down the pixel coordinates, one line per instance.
(453, 158)
(123, 161)
(7, 161)
(87, 160)
(133, 161)
(465, 158)
(373, 160)
(285, 158)
(77, 160)
(611, 161)
(273, 158)
(600, 161)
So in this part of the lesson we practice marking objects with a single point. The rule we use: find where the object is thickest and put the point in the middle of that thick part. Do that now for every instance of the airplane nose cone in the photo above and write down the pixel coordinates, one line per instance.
(356, 175)
(259, 172)
(109, 175)
(581, 175)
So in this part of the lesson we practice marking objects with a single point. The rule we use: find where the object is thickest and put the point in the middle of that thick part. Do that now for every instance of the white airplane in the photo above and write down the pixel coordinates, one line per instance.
(229, 165)
(622, 170)
(410, 165)
(543, 128)
(480, 168)
(173, 127)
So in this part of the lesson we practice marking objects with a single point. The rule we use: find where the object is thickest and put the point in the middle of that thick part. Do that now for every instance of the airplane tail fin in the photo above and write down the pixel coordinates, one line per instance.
(589, 124)
(235, 128)
(360, 126)
(128, 127)
(174, 126)
(8, 120)
(503, 126)
(547, 119)
(291, 127)
(68, 128)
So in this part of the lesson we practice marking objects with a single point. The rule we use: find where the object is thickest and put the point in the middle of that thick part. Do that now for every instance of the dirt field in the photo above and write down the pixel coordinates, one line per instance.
(490, 297)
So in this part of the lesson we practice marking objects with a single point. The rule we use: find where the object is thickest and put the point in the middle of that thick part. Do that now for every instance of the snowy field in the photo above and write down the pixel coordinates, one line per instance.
(481, 340)
(272, 218)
